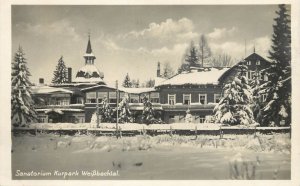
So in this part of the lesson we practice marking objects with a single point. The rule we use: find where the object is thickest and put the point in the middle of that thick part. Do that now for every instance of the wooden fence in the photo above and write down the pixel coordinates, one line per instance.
(221, 131)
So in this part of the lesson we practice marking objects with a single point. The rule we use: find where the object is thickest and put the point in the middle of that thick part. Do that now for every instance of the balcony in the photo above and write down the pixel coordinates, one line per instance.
(70, 106)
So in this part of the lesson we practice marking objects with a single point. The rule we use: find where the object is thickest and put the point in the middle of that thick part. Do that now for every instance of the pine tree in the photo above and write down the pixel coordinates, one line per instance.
(257, 103)
(127, 83)
(150, 83)
(278, 88)
(135, 83)
(123, 109)
(149, 116)
(61, 73)
(234, 106)
(167, 70)
(191, 58)
(22, 105)
(281, 38)
(204, 50)
(105, 111)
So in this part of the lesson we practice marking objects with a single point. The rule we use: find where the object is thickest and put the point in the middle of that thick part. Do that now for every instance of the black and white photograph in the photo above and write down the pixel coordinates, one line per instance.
(151, 92)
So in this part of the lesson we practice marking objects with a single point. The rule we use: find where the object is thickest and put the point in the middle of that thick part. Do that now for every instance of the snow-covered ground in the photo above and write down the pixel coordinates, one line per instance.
(136, 126)
(159, 157)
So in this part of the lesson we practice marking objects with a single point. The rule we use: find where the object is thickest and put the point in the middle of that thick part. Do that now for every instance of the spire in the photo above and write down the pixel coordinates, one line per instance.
(89, 56)
(89, 46)
(158, 70)
(254, 48)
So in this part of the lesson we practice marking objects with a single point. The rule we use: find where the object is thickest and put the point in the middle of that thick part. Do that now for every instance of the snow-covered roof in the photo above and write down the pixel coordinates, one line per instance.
(196, 78)
(48, 90)
(127, 90)
(87, 80)
(88, 73)
(158, 81)
(97, 86)
(136, 90)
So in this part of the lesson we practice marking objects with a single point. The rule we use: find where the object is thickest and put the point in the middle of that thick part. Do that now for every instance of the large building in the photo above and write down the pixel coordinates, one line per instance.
(198, 91)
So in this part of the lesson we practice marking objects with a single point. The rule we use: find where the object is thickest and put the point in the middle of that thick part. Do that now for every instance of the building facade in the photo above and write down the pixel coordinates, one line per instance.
(196, 92)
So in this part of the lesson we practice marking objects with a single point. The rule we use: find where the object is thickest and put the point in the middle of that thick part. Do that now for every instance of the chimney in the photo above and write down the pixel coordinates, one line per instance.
(41, 81)
(69, 75)
(158, 70)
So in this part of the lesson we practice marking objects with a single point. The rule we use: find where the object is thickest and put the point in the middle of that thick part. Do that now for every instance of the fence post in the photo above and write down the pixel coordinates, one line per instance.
(35, 131)
(171, 131)
(254, 131)
(117, 134)
(221, 132)
(196, 132)
(120, 132)
(290, 131)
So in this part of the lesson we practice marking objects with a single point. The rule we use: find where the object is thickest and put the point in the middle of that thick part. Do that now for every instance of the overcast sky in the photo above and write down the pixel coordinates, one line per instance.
(134, 38)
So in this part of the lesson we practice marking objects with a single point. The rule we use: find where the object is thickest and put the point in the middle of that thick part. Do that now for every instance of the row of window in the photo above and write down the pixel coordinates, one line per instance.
(187, 99)
(201, 118)
(253, 74)
(257, 62)
(91, 97)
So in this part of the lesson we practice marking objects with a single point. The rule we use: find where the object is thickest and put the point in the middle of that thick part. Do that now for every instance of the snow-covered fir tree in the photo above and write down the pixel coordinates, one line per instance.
(61, 73)
(125, 115)
(127, 83)
(149, 115)
(105, 111)
(257, 103)
(22, 105)
(234, 107)
(278, 88)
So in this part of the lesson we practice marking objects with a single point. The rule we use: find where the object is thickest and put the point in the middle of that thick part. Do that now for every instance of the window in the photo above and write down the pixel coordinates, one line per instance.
(186, 99)
(142, 97)
(134, 98)
(154, 97)
(91, 97)
(122, 94)
(202, 119)
(265, 77)
(263, 97)
(79, 100)
(101, 96)
(60, 101)
(258, 62)
(252, 74)
(42, 119)
(65, 101)
(112, 97)
(248, 62)
(260, 76)
(172, 99)
(217, 98)
(202, 99)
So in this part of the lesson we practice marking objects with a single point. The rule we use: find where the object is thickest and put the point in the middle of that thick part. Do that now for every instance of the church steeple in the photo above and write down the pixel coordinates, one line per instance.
(89, 47)
(89, 56)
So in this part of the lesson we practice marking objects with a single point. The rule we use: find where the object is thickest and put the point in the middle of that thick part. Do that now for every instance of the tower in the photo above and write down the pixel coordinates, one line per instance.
(89, 56)
(158, 70)
(89, 72)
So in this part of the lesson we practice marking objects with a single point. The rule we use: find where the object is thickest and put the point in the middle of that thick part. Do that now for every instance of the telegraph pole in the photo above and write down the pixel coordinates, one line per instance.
(97, 109)
(117, 123)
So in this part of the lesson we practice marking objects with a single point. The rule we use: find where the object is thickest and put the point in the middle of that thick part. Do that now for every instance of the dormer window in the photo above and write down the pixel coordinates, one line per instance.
(248, 62)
